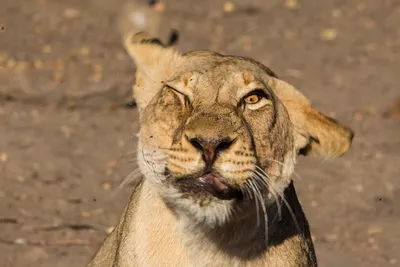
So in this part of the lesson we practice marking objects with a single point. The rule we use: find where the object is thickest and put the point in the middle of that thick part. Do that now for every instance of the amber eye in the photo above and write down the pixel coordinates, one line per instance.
(252, 99)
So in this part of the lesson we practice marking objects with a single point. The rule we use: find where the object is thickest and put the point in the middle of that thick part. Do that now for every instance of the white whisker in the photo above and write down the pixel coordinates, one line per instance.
(266, 181)
(135, 174)
(253, 189)
(283, 165)
(260, 198)
(265, 176)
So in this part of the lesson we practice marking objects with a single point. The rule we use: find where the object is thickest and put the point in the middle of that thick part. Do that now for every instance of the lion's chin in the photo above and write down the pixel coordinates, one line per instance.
(199, 209)
(208, 212)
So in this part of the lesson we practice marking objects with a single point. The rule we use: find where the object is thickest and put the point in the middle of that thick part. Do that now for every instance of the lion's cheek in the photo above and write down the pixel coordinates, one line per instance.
(160, 126)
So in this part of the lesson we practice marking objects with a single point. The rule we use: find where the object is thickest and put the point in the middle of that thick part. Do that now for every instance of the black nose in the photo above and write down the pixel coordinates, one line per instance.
(210, 147)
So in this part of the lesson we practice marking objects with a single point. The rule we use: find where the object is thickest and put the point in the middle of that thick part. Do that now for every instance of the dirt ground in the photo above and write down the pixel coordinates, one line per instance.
(68, 132)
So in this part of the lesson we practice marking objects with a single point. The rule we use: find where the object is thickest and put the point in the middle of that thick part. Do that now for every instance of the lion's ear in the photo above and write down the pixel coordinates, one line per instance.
(155, 63)
(315, 133)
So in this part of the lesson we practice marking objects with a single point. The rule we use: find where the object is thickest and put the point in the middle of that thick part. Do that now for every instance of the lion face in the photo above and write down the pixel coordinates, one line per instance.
(219, 133)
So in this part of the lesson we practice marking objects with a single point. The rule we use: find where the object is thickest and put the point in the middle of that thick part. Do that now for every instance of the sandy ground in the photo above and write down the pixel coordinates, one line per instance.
(67, 132)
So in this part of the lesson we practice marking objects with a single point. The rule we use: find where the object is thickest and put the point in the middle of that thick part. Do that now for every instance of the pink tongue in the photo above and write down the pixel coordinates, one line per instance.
(209, 178)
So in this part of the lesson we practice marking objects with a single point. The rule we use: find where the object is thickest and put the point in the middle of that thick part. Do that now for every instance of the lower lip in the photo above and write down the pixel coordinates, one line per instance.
(208, 184)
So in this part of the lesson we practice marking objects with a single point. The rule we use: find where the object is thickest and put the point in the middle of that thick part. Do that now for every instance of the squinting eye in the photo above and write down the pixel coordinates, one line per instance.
(252, 99)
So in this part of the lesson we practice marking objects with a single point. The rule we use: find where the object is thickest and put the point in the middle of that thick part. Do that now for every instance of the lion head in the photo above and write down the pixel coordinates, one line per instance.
(220, 131)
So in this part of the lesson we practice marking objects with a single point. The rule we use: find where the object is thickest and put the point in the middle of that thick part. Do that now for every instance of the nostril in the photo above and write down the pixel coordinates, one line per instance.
(210, 145)
(195, 142)
(224, 144)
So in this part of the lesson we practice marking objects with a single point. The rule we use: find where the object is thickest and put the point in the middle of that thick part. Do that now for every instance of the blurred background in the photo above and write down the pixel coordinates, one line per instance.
(68, 124)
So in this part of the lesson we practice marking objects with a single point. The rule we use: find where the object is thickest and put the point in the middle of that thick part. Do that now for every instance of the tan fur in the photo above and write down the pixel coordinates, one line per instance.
(199, 96)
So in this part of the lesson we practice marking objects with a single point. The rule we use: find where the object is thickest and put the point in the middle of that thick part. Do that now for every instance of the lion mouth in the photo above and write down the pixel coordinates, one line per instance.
(209, 184)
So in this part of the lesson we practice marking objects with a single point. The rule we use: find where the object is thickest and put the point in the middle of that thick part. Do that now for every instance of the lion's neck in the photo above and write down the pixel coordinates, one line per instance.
(230, 245)
(242, 242)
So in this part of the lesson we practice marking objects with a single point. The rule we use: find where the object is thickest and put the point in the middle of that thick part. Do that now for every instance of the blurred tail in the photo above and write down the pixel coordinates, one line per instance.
(145, 16)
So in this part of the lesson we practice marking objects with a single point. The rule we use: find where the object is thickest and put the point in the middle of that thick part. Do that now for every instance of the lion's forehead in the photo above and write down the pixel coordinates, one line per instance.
(218, 76)
(213, 65)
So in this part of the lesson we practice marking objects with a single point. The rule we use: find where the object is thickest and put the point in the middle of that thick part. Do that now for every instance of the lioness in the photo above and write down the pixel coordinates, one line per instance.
(217, 147)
